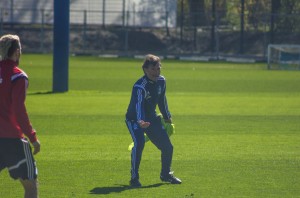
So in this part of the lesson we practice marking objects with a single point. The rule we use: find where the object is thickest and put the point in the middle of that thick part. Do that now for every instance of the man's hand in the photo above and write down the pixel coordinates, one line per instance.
(143, 124)
(36, 147)
(168, 120)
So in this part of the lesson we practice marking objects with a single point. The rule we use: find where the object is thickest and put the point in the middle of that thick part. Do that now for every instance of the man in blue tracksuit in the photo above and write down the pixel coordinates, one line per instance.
(148, 92)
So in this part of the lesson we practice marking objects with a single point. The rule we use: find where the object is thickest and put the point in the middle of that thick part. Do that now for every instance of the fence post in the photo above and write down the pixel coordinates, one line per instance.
(265, 35)
(242, 26)
(181, 22)
(103, 13)
(167, 17)
(217, 36)
(213, 24)
(11, 13)
(133, 15)
(123, 14)
(126, 35)
(84, 29)
(42, 31)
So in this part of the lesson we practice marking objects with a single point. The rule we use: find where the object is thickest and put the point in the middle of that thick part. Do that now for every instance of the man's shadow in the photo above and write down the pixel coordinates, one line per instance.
(120, 188)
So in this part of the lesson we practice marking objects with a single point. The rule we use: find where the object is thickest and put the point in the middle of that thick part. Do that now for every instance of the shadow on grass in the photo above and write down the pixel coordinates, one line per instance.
(44, 93)
(119, 188)
(40, 93)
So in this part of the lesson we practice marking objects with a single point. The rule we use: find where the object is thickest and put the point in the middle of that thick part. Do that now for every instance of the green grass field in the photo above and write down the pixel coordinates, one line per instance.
(237, 130)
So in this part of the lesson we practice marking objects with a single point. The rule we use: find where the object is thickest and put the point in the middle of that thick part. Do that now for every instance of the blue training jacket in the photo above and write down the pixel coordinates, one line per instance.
(146, 95)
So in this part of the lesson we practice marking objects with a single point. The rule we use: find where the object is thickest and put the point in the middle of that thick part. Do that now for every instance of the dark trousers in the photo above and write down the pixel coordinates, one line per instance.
(17, 157)
(158, 136)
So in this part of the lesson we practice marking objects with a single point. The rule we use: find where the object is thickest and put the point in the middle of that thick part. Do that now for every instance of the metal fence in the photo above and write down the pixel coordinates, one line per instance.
(145, 13)
(216, 38)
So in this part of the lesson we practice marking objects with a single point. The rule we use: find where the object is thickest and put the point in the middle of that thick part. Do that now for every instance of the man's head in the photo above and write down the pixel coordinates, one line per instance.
(151, 66)
(10, 47)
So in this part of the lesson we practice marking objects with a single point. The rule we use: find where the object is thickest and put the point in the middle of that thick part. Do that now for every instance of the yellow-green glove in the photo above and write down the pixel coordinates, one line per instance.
(170, 128)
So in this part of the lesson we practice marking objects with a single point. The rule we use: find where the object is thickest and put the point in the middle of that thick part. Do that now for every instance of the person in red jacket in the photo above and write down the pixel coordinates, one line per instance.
(15, 127)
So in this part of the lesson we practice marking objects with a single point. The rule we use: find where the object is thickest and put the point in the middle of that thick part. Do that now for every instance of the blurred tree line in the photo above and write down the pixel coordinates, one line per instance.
(278, 13)
(274, 17)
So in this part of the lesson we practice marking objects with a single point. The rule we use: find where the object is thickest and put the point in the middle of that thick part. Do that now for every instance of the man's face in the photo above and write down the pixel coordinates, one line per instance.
(153, 72)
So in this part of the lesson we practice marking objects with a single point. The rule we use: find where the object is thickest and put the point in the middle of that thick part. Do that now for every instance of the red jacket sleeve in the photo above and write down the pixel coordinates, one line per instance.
(19, 109)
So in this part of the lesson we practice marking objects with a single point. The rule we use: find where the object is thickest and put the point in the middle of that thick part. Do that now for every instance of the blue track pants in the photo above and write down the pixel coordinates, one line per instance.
(158, 136)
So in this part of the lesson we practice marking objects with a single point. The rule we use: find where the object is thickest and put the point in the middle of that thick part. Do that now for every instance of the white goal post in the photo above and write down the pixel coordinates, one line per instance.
(284, 56)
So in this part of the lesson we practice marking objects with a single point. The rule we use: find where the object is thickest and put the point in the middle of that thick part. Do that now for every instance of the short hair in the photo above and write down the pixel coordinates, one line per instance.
(8, 45)
(150, 60)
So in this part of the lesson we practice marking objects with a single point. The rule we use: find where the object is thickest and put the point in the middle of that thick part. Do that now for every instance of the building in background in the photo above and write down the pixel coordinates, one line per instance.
(143, 13)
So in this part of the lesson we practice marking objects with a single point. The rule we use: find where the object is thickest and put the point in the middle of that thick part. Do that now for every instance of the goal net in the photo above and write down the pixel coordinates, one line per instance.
(284, 57)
